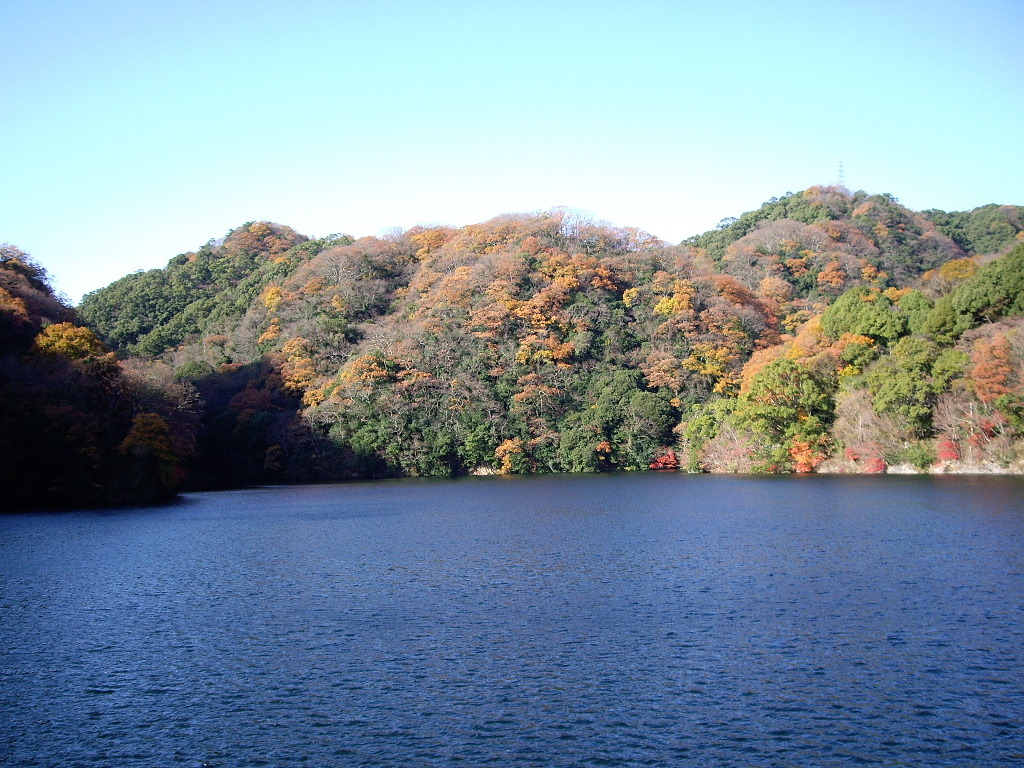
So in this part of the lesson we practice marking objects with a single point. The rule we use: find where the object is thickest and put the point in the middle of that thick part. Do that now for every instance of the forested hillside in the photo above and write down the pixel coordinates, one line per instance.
(825, 325)
(74, 428)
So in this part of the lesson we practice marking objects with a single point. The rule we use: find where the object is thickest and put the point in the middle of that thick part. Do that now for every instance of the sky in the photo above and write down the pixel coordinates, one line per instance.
(132, 131)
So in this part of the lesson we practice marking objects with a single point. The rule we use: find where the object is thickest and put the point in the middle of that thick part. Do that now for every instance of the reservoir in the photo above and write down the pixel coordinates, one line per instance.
(551, 621)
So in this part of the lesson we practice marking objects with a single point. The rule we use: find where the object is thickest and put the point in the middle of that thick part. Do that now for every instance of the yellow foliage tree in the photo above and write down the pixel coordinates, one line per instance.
(714, 362)
(70, 340)
(298, 371)
(12, 304)
(272, 298)
(958, 270)
(510, 454)
(273, 331)
(148, 443)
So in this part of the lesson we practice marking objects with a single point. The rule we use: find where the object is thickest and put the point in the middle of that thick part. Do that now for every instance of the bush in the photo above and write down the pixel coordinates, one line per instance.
(921, 454)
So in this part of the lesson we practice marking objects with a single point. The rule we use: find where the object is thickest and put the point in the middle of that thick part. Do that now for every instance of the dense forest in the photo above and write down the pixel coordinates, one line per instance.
(75, 427)
(827, 330)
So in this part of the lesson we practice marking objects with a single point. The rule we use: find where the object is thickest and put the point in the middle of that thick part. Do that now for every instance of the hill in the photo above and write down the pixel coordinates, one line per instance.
(825, 325)
(75, 429)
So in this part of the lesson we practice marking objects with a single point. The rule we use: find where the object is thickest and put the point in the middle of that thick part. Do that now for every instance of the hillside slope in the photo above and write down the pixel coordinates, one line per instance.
(75, 429)
(542, 342)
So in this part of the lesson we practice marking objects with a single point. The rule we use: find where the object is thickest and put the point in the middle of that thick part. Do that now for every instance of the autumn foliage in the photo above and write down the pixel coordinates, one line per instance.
(827, 327)
(75, 427)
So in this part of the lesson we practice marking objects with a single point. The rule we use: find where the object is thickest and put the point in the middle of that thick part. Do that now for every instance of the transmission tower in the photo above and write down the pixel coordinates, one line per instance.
(842, 176)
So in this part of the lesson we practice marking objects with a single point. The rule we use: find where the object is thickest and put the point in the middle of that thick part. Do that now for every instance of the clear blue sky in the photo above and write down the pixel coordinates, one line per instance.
(133, 131)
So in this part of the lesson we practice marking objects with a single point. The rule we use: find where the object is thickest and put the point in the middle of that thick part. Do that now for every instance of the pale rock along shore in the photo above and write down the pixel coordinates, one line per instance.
(845, 467)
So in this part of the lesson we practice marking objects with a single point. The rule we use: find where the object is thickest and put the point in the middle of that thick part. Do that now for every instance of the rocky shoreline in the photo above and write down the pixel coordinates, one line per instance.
(846, 467)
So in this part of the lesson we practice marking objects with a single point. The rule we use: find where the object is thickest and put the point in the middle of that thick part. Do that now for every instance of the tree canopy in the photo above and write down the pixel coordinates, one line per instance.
(825, 326)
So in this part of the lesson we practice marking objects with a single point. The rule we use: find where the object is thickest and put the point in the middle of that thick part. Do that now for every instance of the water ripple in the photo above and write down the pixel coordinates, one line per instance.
(556, 622)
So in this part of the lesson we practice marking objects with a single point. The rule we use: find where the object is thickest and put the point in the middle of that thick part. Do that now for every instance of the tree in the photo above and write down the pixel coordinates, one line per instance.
(991, 367)
(916, 306)
(71, 341)
(67, 408)
(16, 261)
(864, 312)
(152, 469)
(901, 384)
(624, 427)
(996, 291)
(788, 409)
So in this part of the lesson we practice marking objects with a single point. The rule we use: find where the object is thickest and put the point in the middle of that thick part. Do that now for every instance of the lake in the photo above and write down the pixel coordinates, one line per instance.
(609, 620)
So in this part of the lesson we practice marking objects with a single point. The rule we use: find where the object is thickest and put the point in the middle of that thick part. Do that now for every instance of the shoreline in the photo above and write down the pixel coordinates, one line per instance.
(846, 467)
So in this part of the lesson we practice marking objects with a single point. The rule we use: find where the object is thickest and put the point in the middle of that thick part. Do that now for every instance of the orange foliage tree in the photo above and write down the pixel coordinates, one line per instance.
(991, 367)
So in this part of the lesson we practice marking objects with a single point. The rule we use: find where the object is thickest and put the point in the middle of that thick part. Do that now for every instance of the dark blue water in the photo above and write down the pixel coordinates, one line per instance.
(654, 619)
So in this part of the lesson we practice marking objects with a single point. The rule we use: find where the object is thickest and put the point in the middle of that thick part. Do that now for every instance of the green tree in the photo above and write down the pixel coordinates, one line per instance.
(987, 229)
(996, 291)
(786, 404)
(623, 428)
(916, 306)
(901, 383)
(864, 312)
(702, 423)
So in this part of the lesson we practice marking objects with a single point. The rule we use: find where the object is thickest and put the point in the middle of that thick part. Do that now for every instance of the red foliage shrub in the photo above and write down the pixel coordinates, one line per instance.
(948, 450)
(666, 459)
(805, 457)
(875, 465)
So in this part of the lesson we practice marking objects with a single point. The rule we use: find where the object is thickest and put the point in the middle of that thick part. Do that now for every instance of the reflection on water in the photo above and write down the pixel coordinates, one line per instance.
(654, 619)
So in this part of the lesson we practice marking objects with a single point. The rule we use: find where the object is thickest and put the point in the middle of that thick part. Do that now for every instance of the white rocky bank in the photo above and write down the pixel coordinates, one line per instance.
(844, 467)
